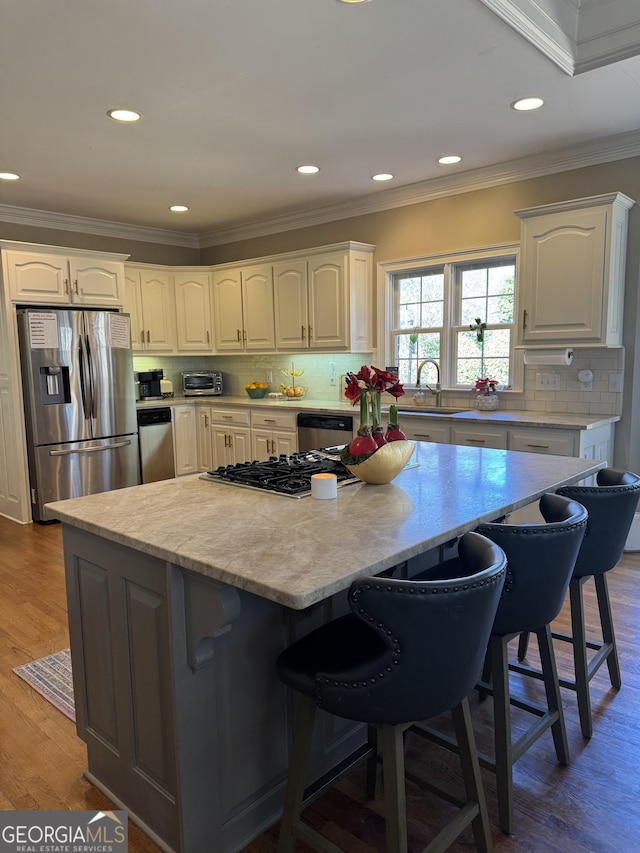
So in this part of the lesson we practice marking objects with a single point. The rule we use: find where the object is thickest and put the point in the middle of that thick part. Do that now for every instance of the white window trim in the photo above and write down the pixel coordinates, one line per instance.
(386, 270)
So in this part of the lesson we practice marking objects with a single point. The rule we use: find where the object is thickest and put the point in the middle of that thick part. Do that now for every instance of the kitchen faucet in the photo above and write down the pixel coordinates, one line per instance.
(437, 391)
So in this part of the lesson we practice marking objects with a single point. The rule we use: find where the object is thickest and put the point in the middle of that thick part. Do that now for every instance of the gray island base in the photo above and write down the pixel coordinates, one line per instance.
(182, 593)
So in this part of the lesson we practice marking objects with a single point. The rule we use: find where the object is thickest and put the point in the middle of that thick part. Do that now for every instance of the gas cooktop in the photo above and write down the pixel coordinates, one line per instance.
(284, 475)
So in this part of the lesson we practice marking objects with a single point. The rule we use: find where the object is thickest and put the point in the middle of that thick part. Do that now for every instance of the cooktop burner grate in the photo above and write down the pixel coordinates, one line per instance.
(284, 475)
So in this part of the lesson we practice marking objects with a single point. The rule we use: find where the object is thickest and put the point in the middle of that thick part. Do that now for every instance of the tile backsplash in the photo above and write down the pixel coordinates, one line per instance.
(319, 369)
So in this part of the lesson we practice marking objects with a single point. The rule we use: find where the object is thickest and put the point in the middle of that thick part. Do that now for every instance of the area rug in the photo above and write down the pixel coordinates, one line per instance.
(51, 677)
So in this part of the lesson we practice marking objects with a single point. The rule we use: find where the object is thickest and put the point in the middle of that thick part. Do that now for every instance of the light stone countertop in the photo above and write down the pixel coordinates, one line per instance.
(549, 420)
(299, 552)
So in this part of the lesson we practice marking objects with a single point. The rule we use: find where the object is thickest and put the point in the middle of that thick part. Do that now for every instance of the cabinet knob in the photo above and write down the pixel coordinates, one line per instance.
(206, 421)
(309, 335)
(208, 338)
(524, 319)
(244, 335)
(302, 334)
(66, 285)
(142, 336)
(148, 336)
(75, 284)
(238, 330)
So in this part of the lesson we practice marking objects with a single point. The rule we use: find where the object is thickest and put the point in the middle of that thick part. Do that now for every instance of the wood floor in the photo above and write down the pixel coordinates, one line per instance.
(592, 806)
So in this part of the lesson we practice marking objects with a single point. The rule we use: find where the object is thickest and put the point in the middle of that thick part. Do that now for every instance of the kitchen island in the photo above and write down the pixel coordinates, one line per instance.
(182, 593)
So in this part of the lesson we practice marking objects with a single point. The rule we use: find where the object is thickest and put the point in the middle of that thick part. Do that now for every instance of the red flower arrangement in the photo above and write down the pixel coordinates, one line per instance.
(484, 387)
(365, 387)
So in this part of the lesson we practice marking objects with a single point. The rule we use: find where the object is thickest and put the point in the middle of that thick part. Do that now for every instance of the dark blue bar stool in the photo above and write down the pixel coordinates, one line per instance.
(540, 560)
(611, 505)
(409, 650)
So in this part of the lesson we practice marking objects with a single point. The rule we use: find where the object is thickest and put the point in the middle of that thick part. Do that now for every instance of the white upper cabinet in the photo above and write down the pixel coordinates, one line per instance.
(193, 311)
(149, 299)
(328, 303)
(52, 279)
(572, 271)
(291, 304)
(243, 309)
(323, 301)
(257, 307)
(227, 310)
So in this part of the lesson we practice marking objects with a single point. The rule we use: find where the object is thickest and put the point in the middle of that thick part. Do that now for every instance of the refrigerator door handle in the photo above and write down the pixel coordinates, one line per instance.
(89, 449)
(92, 384)
(84, 386)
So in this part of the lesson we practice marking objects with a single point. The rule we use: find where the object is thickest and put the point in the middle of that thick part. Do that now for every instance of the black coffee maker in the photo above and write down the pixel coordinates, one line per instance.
(149, 382)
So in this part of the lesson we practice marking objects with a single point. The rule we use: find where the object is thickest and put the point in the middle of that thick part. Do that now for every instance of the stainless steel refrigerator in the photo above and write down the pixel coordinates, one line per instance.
(79, 402)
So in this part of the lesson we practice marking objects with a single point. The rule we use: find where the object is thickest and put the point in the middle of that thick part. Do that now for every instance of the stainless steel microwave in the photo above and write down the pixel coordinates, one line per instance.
(202, 383)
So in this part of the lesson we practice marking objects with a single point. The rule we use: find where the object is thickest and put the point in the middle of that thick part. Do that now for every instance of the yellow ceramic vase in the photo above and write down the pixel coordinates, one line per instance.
(385, 464)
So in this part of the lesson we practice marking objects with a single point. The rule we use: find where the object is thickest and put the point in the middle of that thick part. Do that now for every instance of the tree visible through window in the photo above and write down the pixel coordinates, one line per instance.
(461, 315)
(484, 344)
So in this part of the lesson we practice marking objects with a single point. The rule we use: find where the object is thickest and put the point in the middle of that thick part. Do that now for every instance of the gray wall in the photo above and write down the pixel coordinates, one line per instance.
(480, 218)
(457, 222)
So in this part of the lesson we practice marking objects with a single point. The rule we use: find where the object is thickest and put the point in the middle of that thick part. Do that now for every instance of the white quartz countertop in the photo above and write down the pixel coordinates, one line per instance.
(299, 552)
(549, 420)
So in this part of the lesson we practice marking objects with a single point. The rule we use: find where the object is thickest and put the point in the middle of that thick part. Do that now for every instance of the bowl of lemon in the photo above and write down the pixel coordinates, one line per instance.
(257, 390)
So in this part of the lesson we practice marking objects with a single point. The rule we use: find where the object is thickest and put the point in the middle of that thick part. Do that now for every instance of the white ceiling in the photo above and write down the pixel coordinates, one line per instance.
(236, 93)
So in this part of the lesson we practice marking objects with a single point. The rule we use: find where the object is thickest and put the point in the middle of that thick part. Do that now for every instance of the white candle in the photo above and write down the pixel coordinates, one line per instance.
(324, 486)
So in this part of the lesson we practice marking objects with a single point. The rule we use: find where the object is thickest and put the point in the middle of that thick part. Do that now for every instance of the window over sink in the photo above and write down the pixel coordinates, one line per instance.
(459, 310)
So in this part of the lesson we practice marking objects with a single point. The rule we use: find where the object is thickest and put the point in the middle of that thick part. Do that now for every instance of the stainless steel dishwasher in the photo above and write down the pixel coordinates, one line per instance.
(155, 439)
(318, 431)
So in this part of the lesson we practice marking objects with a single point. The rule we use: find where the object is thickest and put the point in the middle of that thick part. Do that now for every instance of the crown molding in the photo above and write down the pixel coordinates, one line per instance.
(593, 153)
(576, 36)
(101, 227)
(550, 29)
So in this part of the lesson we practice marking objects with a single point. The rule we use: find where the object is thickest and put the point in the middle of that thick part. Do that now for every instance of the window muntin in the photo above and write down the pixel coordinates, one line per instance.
(436, 314)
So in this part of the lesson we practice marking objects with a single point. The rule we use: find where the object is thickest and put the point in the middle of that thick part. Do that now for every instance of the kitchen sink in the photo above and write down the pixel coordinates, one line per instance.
(431, 410)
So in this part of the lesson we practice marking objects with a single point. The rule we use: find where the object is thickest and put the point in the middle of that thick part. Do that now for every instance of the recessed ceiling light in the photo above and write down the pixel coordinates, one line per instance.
(449, 159)
(178, 208)
(9, 176)
(526, 104)
(124, 115)
(353, 1)
(383, 176)
(307, 170)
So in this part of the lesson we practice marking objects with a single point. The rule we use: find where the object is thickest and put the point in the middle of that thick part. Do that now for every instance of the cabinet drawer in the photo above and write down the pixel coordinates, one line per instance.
(425, 429)
(556, 442)
(274, 420)
(481, 437)
(231, 416)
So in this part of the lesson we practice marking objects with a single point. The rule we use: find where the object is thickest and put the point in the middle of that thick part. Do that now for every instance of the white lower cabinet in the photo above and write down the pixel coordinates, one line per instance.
(273, 433)
(425, 429)
(185, 447)
(480, 435)
(224, 437)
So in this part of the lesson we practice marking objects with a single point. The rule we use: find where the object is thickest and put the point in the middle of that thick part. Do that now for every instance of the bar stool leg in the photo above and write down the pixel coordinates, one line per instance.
(502, 731)
(302, 735)
(523, 645)
(608, 634)
(373, 765)
(552, 690)
(580, 662)
(471, 774)
(395, 803)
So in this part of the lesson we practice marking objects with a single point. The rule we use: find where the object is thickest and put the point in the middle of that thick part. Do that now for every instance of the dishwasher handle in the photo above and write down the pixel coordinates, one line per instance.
(343, 423)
